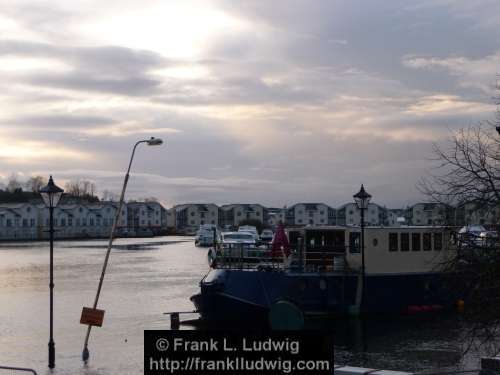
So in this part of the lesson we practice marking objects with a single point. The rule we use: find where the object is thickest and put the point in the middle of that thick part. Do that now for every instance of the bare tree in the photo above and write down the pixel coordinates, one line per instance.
(108, 195)
(467, 178)
(34, 183)
(14, 185)
(468, 170)
(80, 188)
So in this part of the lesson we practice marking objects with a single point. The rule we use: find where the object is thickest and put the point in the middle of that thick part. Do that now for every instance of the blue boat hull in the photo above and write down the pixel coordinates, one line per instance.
(235, 296)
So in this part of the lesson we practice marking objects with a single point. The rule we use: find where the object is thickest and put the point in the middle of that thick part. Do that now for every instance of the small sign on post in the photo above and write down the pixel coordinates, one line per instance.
(92, 317)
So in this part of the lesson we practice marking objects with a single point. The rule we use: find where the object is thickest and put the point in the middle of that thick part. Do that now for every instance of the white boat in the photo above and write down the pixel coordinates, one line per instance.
(250, 229)
(205, 235)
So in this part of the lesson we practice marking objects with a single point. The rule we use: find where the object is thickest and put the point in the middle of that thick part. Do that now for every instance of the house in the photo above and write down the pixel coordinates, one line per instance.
(310, 214)
(231, 215)
(350, 214)
(189, 217)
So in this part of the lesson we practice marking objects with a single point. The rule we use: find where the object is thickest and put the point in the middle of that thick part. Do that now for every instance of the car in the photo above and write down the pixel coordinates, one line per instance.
(267, 235)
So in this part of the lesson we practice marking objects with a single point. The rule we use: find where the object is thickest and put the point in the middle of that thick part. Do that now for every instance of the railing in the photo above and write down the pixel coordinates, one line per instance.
(14, 370)
(318, 259)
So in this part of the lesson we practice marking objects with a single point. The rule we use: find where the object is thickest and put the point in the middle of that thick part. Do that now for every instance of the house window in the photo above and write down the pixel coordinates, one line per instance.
(80, 209)
(393, 242)
(192, 213)
(77, 222)
(311, 214)
(84, 222)
(9, 222)
(322, 212)
(98, 221)
(28, 209)
(405, 242)
(415, 241)
(25, 222)
(354, 242)
(32, 222)
(438, 241)
(351, 212)
(427, 242)
(63, 222)
(311, 222)
(299, 221)
(91, 221)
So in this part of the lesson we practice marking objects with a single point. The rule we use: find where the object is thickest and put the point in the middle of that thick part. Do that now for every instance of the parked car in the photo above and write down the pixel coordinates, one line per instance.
(267, 235)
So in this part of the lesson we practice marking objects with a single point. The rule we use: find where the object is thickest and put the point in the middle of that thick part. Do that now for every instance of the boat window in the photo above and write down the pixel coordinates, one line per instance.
(438, 241)
(393, 242)
(415, 241)
(405, 242)
(427, 242)
(354, 246)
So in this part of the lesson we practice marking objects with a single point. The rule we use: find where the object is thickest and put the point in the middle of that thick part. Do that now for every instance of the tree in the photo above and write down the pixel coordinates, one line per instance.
(13, 185)
(80, 188)
(468, 171)
(467, 178)
(108, 195)
(34, 183)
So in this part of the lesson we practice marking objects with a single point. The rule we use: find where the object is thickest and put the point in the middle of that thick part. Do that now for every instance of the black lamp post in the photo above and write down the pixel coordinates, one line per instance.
(51, 194)
(362, 199)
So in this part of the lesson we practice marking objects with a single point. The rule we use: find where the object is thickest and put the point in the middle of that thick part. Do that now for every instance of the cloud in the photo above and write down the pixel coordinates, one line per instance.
(271, 102)
(470, 73)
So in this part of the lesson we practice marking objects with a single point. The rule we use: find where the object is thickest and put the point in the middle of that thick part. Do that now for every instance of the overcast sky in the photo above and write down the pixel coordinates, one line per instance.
(273, 102)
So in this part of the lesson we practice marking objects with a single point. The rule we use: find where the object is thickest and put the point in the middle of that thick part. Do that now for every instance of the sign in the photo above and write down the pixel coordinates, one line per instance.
(92, 317)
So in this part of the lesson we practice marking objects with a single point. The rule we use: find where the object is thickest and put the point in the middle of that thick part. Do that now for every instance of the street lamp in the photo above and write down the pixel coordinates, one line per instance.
(362, 199)
(51, 194)
(150, 142)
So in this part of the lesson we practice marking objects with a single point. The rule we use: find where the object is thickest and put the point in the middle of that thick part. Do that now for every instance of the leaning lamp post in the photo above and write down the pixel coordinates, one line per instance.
(362, 199)
(93, 316)
(51, 194)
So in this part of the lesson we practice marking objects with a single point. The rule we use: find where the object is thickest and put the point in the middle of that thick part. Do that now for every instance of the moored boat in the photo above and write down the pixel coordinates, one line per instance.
(322, 275)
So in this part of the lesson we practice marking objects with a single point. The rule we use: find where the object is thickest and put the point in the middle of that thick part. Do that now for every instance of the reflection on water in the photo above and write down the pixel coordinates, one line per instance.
(147, 277)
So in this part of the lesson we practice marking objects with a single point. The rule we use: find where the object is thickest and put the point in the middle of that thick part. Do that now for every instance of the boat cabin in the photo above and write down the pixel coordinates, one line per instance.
(387, 249)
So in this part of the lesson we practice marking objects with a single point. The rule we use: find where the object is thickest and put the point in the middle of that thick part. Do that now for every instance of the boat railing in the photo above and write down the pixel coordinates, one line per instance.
(316, 259)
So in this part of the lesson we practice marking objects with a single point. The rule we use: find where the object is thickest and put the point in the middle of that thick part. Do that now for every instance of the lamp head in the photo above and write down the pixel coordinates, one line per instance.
(51, 194)
(154, 141)
(362, 198)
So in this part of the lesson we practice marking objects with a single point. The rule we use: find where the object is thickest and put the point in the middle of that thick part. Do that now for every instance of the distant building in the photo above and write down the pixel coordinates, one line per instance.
(350, 214)
(78, 220)
(231, 215)
(189, 217)
(146, 216)
(310, 214)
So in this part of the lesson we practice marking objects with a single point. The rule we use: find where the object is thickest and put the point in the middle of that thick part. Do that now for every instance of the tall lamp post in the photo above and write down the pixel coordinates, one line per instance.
(362, 199)
(51, 194)
(150, 142)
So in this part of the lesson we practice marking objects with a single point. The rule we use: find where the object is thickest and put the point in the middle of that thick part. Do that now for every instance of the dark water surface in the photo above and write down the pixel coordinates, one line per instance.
(147, 277)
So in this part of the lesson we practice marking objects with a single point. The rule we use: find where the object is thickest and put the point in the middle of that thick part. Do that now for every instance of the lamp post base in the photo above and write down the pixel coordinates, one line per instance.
(52, 354)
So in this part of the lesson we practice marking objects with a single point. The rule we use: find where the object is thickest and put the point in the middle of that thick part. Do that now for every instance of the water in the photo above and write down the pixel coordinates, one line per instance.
(147, 277)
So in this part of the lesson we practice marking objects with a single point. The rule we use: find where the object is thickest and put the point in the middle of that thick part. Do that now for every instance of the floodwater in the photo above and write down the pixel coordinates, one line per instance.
(147, 277)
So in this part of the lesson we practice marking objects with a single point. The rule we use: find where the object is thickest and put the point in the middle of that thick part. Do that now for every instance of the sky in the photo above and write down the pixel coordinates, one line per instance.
(271, 102)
